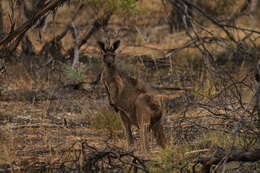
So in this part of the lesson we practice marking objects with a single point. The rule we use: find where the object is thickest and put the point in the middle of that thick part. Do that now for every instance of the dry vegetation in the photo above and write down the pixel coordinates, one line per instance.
(54, 116)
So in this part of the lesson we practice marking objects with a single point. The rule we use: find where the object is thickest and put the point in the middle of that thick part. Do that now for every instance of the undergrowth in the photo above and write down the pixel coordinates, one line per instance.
(106, 120)
(181, 157)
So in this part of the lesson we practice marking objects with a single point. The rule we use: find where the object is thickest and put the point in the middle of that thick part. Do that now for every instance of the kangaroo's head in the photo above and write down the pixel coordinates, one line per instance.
(109, 51)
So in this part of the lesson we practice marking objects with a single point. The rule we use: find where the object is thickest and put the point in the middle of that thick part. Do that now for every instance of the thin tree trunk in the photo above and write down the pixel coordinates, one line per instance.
(257, 95)
(253, 13)
(175, 19)
(1, 19)
(76, 45)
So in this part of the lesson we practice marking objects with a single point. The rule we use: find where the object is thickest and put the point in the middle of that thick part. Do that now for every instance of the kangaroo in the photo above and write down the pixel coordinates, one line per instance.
(134, 100)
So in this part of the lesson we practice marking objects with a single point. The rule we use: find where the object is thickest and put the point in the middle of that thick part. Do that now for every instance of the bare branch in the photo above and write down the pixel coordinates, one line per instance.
(20, 31)
(241, 155)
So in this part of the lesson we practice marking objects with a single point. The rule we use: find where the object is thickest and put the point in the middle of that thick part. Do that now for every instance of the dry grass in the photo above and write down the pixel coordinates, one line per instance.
(81, 115)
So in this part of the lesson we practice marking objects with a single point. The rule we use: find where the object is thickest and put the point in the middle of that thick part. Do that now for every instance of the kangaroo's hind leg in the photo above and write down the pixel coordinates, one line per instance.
(158, 133)
(144, 118)
(144, 129)
(127, 128)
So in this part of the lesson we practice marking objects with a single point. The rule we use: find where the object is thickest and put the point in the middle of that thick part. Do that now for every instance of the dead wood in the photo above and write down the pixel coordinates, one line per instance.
(175, 19)
(83, 157)
(154, 62)
(37, 126)
(27, 46)
(96, 26)
(19, 32)
(111, 159)
(23, 95)
(53, 47)
(240, 11)
(217, 156)
(170, 88)
(76, 44)
(1, 19)
(257, 93)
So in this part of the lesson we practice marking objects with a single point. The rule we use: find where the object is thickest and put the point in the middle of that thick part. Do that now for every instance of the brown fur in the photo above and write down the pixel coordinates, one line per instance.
(133, 99)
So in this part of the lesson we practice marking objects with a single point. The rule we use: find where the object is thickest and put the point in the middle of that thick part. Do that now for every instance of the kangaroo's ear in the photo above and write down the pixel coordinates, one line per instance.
(101, 45)
(116, 45)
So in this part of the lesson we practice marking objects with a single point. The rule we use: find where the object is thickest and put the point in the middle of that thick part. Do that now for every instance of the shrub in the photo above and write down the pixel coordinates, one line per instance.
(75, 74)
(118, 6)
(106, 120)
(171, 159)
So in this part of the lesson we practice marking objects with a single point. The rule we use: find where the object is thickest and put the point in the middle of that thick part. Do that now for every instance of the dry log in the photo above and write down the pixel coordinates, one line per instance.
(239, 155)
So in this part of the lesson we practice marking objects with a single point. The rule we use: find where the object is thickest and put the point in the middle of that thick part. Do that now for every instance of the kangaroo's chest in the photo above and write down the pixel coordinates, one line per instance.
(119, 91)
(121, 95)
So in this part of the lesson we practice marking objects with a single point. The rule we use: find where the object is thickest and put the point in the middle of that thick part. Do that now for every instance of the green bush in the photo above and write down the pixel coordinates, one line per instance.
(170, 159)
(75, 74)
(106, 120)
(117, 6)
(174, 158)
(218, 7)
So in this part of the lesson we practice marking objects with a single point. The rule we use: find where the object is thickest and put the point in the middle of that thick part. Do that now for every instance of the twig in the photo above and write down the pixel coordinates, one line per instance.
(37, 126)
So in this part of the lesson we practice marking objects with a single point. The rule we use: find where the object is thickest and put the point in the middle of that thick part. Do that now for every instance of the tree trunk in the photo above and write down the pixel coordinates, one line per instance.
(178, 11)
(1, 19)
(253, 12)
(257, 95)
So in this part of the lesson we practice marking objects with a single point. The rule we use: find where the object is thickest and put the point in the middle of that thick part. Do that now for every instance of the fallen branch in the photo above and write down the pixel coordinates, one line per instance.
(239, 155)
(37, 126)
(196, 152)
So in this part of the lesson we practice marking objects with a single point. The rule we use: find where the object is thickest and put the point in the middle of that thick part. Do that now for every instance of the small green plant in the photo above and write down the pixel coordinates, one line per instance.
(117, 6)
(75, 74)
(106, 120)
(170, 158)
(174, 158)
